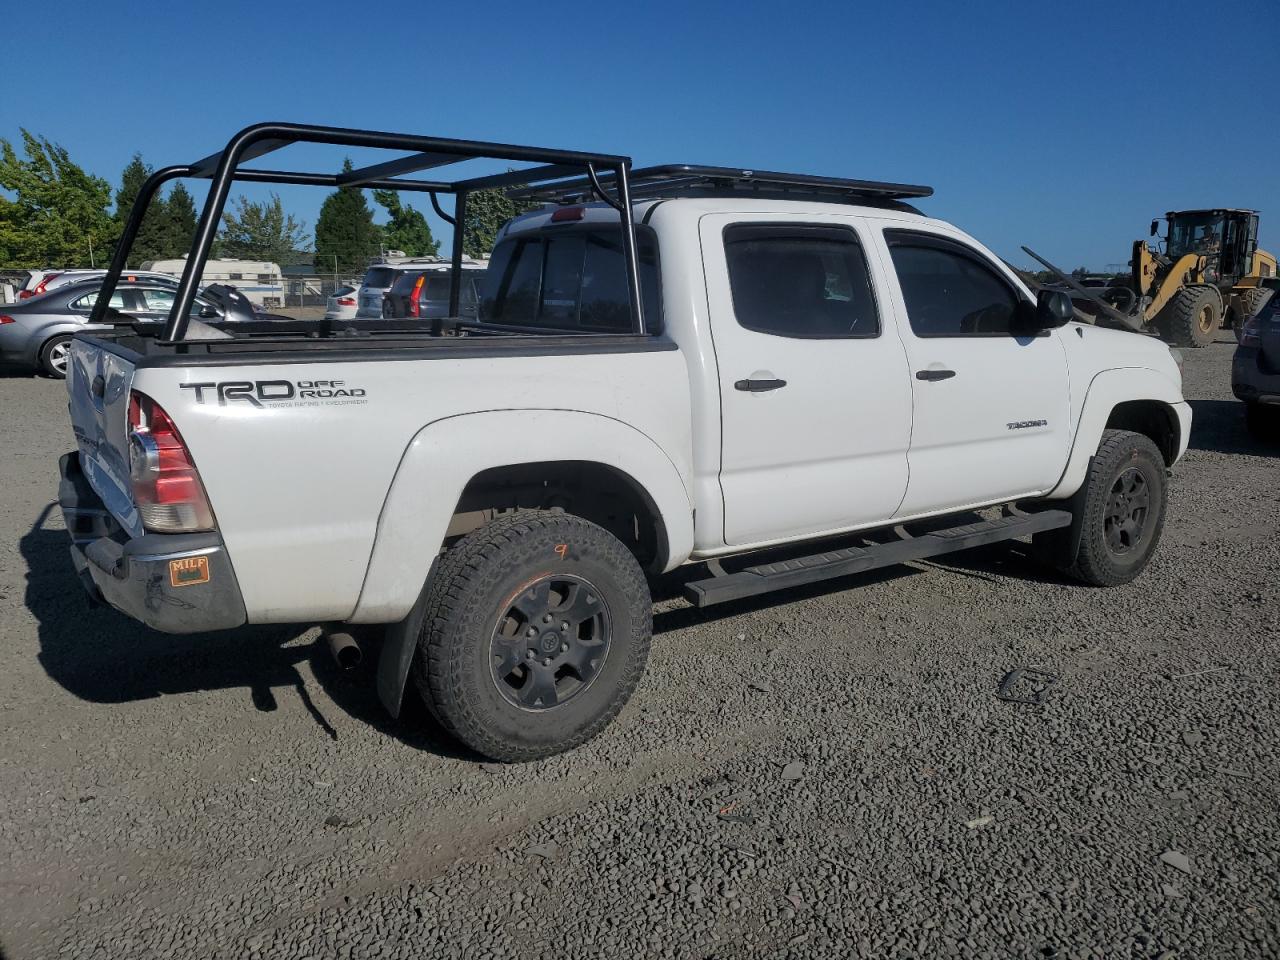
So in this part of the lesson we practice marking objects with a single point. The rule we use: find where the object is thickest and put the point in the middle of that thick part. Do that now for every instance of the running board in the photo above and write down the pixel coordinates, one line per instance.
(840, 563)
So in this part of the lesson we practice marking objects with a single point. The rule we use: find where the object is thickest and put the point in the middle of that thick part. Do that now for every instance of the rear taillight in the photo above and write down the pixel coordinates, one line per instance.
(166, 486)
(25, 294)
(1251, 334)
(43, 285)
(5, 318)
(413, 297)
(346, 301)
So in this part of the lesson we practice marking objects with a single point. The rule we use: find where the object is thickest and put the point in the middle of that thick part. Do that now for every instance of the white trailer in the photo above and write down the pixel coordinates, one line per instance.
(259, 280)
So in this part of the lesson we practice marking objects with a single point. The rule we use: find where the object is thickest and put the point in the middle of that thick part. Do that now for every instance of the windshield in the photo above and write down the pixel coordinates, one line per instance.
(1195, 233)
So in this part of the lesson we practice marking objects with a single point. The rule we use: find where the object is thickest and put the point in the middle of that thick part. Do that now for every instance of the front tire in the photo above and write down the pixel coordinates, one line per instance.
(1123, 507)
(537, 630)
(1192, 317)
(54, 356)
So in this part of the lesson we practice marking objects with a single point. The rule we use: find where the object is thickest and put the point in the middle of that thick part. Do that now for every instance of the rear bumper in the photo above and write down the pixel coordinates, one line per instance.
(1252, 378)
(178, 583)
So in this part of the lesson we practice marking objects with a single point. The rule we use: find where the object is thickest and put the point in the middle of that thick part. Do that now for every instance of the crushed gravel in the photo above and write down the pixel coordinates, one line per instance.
(826, 772)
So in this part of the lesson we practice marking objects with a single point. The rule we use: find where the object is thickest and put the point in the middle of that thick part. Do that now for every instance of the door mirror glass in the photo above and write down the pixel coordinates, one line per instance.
(1155, 225)
(1053, 309)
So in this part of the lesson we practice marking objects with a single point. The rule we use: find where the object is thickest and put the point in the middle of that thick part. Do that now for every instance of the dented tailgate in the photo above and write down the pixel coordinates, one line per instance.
(98, 384)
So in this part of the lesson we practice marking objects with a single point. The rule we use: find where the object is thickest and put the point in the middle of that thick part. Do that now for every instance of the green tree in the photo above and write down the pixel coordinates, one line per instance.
(150, 243)
(179, 222)
(407, 229)
(260, 231)
(346, 236)
(58, 214)
(487, 211)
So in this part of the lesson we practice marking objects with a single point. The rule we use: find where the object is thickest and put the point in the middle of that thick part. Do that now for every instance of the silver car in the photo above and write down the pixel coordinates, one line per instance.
(37, 332)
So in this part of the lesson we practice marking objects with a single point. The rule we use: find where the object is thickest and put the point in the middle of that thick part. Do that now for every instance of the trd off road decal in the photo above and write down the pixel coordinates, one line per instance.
(277, 393)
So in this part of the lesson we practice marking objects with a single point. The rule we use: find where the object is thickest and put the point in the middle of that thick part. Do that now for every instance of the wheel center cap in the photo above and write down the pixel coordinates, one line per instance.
(549, 642)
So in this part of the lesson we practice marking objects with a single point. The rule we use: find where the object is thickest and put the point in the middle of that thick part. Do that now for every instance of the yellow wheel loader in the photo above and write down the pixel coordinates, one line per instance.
(1209, 274)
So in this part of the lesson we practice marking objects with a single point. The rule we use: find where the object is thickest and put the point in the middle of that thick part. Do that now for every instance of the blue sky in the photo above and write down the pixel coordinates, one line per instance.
(1064, 126)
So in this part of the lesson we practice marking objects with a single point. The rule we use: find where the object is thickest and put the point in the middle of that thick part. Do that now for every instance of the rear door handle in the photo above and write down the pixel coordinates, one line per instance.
(935, 374)
(759, 386)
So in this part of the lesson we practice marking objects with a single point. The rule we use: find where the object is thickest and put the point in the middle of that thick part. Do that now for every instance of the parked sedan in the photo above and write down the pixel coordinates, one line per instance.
(342, 305)
(426, 294)
(1255, 371)
(37, 332)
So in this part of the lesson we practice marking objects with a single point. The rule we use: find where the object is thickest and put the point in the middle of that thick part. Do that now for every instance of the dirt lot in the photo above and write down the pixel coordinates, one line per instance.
(825, 773)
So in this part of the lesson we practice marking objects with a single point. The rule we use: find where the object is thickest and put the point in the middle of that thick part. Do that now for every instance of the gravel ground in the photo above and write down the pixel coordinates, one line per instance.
(823, 773)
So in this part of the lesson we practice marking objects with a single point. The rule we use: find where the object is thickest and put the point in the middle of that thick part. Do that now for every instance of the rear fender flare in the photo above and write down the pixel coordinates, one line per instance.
(435, 469)
(443, 457)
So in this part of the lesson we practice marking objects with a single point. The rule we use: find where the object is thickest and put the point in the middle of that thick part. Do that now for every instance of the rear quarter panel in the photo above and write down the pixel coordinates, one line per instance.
(298, 485)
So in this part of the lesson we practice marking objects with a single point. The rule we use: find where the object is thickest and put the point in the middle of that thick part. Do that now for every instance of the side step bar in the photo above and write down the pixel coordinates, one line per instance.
(840, 563)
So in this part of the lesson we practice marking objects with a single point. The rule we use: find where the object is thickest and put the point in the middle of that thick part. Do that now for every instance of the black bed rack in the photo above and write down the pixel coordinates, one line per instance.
(426, 153)
(691, 180)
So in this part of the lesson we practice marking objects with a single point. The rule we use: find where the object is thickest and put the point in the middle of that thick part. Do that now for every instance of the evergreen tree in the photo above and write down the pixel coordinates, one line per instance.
(58, 214)
(150, 242)
(260, 231)
(179, 222)
(407, 229)
(487, 211)
(346, 236)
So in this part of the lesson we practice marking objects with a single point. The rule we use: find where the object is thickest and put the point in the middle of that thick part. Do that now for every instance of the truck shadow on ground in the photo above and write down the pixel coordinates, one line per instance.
(1218, 426)
(102, 656)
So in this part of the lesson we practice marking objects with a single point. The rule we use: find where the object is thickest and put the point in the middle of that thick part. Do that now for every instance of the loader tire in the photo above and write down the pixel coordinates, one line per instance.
(1251, 302)
(1192, 317)
(536, 632)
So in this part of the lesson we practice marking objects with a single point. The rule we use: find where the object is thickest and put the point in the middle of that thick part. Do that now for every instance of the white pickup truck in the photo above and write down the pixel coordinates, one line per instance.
(817, 369)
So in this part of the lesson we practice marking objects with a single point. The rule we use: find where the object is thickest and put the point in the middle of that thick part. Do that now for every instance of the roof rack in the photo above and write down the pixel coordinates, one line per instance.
(690, 180)
(425, 153)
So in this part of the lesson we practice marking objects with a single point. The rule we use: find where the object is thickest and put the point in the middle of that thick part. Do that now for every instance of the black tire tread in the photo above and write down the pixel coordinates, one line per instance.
(1091, 564)
(461, 568)
(1178, 318)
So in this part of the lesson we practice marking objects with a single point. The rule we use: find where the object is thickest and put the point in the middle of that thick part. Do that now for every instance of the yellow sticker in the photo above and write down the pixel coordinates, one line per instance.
(188, 571)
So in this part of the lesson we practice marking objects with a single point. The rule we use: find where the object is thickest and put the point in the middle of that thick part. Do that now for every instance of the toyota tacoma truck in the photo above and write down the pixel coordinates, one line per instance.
(779, 378)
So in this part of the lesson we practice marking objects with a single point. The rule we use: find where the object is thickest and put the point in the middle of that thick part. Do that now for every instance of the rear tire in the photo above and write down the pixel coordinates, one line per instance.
(54, 356)
(1192, 317)
(1123, 505)
(536, 632)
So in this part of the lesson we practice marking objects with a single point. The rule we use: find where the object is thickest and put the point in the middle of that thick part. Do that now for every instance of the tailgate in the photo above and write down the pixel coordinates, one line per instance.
(98, 390)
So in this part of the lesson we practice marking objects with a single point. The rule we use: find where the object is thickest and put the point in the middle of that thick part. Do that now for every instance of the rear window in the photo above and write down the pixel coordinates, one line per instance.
(380, 277)
(570, 280)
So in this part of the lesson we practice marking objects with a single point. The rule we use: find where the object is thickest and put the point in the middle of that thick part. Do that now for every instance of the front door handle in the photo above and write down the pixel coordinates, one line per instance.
(759, 386)
(935, 374)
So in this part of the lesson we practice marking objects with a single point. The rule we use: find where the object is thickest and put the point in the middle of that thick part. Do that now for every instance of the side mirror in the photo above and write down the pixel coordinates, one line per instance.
(1155, 225)
(1053, 309)
(208, 312)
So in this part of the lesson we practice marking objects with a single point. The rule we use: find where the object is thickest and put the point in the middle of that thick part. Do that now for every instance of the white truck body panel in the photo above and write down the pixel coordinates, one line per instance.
(334, 508)
(298, 489)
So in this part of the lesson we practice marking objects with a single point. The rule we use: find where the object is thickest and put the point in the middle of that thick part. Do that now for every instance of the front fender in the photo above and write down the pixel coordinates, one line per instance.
(1107, 389)
(444, 456)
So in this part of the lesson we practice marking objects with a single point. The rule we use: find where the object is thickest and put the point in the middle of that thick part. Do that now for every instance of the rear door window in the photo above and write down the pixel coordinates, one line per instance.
(800, 280)
(89, 299)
